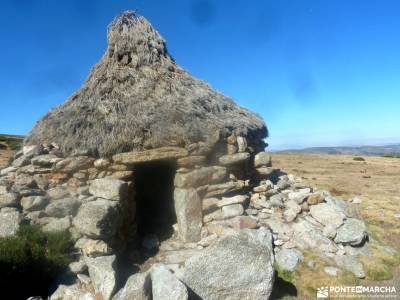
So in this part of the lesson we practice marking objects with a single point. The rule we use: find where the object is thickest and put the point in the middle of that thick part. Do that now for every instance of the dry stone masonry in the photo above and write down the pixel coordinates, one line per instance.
(199, 210)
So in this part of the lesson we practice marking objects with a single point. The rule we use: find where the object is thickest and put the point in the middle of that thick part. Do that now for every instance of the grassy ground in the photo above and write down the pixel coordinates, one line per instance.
(376, 181)
(8, 145)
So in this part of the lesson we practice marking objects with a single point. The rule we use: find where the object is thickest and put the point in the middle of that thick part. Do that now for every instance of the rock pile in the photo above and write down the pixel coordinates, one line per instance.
(223, 222)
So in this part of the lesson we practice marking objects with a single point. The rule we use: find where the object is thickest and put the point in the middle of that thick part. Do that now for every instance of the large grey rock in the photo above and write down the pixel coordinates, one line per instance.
(189, 214)
(32, 203)
(32, 150)
(327, 214)
(201, 176)
(8, 199)
(232, 159)
(102, 274)
(71, 292)
(224, 188)
(165, 286)
(9, 222)
(138, 287)
(353, 232)
(63, 207)
(56, 224)
(107, 188)
(77, 267)
(58, 192)
(130, 158)
(288, 259)
(306, 235)
(21, 161)
(73, 164)
(298, 196)
(191, 161)
(292, 210)
(5, 171)
(238, 199)
(262, 159)
(98, 219)
(45, 160)
(238, 266)
(230, 211)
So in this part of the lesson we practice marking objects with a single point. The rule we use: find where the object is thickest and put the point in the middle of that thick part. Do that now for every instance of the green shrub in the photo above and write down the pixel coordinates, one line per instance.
(391, 155)
(359, 158)
(31, 260)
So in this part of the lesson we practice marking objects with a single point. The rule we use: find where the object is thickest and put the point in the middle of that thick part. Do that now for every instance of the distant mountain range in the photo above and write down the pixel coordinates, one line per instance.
(388, 150)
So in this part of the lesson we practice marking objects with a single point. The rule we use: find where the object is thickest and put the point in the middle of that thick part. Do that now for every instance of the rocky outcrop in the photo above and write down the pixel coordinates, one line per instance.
(238, 266)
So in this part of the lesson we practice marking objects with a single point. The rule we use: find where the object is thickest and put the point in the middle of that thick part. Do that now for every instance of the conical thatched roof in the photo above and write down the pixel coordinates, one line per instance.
(137, 97)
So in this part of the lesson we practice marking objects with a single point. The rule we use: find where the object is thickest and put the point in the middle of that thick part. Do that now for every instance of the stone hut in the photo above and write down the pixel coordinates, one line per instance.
(144, 153)
(164, 140)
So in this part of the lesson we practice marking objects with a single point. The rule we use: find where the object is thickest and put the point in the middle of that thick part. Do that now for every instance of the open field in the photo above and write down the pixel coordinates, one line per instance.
(8, 145)
(376, 181)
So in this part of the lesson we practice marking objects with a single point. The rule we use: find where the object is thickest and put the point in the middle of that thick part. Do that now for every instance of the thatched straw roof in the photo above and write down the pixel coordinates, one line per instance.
(137, 97)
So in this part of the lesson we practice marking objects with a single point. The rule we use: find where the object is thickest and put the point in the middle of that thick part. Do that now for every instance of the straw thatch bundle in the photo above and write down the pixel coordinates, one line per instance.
(137, 97)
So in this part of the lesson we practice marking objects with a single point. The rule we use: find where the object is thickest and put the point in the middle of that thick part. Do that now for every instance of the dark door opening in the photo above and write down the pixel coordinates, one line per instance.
(155, 214)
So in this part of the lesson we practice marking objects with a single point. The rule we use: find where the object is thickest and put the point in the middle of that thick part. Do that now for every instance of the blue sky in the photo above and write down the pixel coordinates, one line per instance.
(320, 72)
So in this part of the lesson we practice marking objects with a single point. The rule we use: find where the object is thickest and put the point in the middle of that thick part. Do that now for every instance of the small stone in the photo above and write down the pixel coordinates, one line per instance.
(21, 161)
(74, 164)
(207, 241)
(299, 197)
(332, 271)
(102, 274)
(98, 219)
(353, 232)
(262, 159)
(239, 199)
(329, 231)
(8, 170)
(327, 214)
(110, 189)
(165, 286)
(233, 210)
(9, 222)
(315, 199)
(242, 144)
(276, 201)
(57, 224)
(191, 161)
(201, 176)
(356, 200)
(78, 267)
(232, 159)
(46, 160)
(311, 264)
(102, 163)
(251, 212)
(265, 171)
(32, 203)
(137, 287)
(63, 207)
(95, 248)
(189, 214)
(288, 259)
(8, 199)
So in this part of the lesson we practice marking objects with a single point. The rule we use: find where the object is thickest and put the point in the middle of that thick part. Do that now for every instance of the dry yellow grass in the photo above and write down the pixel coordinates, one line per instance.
(5, 155)
(376, 181)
